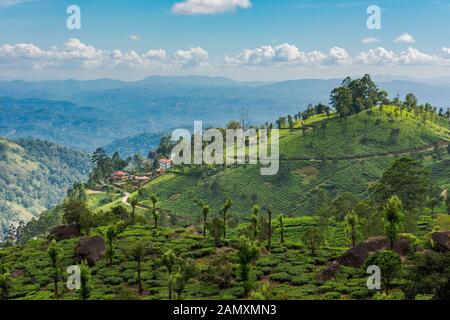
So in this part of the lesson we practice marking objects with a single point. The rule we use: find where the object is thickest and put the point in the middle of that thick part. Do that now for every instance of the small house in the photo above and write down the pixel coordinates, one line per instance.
(165, 164)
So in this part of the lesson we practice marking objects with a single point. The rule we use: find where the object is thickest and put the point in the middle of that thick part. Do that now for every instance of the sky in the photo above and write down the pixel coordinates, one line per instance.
(268, 40)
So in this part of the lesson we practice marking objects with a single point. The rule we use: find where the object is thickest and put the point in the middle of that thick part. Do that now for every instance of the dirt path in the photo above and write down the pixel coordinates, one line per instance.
(125, 202)
(424, 149)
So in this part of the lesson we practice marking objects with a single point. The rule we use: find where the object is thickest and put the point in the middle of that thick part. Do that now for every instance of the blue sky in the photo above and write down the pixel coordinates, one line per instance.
(285, 39)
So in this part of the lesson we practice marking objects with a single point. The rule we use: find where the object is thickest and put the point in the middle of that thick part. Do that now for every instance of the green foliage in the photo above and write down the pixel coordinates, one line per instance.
(429, 274)
(312, 239)
(390, 265)
(393, 218)
(216, 228)
(248, 251)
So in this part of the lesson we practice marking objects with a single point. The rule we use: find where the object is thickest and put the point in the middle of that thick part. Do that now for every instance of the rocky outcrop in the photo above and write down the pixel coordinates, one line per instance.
(64, 232)
(90, 249)
(441, 241)
(356, 256)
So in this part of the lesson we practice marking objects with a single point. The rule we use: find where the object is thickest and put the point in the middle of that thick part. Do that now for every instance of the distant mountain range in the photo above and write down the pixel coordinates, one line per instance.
(89, 114)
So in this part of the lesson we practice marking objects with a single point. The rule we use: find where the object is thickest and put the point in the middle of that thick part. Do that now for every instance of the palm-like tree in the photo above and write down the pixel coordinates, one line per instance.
(205, 211)
(111, 234)
(55, 257)
(134, 201)
(154, 199)
(138, 255)
(226, 206)
(254, 221)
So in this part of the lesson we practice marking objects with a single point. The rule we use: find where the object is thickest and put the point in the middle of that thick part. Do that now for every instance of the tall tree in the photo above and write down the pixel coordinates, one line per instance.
(111, 234)
(138, 255)
(281, 228)
(269, 231)
(254, 221)
(248, 251)
(226, 206)
(205, 211)
(393, 217)
(85, 281)
(169, 260)
(352, 224)
(55, 259)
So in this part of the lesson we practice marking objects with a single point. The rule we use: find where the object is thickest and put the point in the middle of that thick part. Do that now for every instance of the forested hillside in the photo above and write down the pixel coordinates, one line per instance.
(34, 176)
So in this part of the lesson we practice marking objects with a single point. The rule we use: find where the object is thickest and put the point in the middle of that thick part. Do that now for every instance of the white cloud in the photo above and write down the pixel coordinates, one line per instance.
(370, 40)
(209, 7)
(287, 54)
(193, 57)
(135, 37)
(10, 3)
(411, 56)
(405, 38)
(446, 50)
(75, 55)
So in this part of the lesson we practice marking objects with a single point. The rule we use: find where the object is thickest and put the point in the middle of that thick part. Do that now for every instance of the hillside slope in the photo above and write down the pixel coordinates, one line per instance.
(34, 176)
(339, 155)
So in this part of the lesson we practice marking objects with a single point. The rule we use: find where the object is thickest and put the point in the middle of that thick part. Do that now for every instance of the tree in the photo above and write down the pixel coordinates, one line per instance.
(74, 209)
(254, 221)
(429, 274)
(434, 199)
(215, 228)
(205, 211)
(408, 180)
(269, 231)
(341, 100)
(138, 255)
(410, 101)
(85, 281)
(154, 199)
(55, 259)
(169, 260)
(352, 224)
(188, 270)
(281, 228)
(390, 266)
(312, 239)
(393, 217)
(111, 234)
(226, 206)
(248, 251)
(155, 215)
(5, 285)
(134, 201)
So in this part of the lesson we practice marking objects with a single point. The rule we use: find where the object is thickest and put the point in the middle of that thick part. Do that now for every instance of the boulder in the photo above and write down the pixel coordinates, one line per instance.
(356, 256)
(64, 232)
(329, 272)
(90, 249)
(441, 241)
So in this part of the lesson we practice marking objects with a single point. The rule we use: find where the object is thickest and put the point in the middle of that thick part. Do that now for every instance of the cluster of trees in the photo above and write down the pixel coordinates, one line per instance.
(354, 96)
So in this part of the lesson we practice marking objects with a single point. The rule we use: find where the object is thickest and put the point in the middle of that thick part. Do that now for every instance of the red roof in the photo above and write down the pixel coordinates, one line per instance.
(119, 173)
(166, 161)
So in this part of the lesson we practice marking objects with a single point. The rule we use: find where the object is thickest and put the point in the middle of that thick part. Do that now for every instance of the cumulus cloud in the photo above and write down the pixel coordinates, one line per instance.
(194, 57)
(287, 54)
(405, 38)
(209, 7)
(411, 56)
(370, 40)
(75, 54)
(446, 50)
